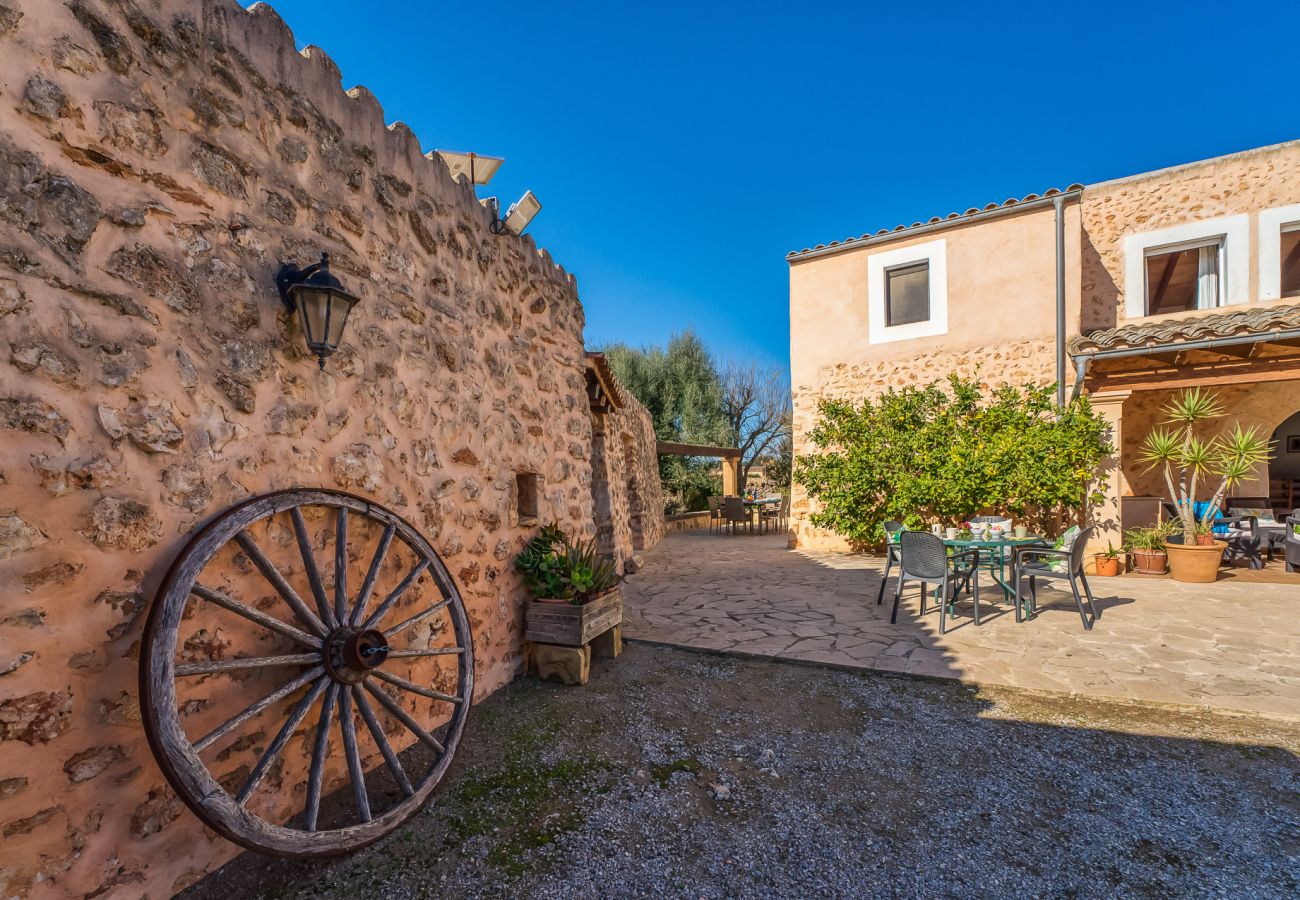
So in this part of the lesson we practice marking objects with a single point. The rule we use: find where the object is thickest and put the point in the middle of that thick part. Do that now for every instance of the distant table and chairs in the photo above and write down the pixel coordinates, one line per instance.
(748, 515)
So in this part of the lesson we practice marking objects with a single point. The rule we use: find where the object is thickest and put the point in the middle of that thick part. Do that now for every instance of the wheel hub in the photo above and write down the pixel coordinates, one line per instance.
(352, 653)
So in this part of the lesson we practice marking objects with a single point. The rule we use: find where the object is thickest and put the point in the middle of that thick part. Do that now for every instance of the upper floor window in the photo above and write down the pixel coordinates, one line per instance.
(1200, 264)
(1188, 276)
(1290, 260)
(907, 294)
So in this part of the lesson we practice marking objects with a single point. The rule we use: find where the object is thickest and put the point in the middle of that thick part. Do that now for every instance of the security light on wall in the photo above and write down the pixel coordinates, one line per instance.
(478, 168)
(521, 213)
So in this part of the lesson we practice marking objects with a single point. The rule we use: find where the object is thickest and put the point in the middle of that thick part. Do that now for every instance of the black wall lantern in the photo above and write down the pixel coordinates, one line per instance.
(321, 303)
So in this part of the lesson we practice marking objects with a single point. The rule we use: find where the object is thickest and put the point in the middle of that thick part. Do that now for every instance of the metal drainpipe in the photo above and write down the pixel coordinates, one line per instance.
(1059, 205)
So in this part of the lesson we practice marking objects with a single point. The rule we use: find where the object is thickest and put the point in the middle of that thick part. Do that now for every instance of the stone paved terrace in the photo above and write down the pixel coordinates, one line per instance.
(1233, 645)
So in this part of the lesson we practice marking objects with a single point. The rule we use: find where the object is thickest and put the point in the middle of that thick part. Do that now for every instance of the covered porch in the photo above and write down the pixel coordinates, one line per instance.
(1249, 359)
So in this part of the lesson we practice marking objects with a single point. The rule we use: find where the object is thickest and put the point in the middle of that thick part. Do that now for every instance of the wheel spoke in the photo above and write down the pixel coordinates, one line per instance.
(418, 617)
(251, 662)
(396, 594)
(341, 565)
(282, 587)
(368, 585)
(309, 566)
(355, 773)
(376, 732)
(261, 618)
(275, 696)
(415, 688)
(402, 715)
(317, 773)
(428, 651)
(272, 752)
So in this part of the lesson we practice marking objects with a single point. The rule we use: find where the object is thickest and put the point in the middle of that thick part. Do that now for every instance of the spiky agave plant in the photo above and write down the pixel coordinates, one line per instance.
(1230, 456)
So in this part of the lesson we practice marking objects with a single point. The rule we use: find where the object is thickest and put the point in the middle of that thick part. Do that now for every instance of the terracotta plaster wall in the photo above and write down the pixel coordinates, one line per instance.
(1243, 183)
(158, 161)
(1001, 325)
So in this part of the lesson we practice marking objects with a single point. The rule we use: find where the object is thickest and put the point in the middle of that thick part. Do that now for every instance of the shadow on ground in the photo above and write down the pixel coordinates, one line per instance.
(677, 772)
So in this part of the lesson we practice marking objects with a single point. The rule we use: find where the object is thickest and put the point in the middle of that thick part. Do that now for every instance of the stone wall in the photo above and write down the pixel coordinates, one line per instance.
(626, 492)
(159, 160)
(1243, 183)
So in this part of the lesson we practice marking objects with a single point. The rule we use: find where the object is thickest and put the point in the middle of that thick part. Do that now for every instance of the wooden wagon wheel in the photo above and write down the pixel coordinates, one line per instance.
(344, 655)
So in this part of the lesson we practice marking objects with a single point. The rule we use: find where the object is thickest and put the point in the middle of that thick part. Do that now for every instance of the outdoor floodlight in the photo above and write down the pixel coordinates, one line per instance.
(521, 213)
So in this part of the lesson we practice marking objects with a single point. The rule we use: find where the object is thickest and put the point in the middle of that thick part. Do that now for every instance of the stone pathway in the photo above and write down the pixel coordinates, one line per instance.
(1230, 646)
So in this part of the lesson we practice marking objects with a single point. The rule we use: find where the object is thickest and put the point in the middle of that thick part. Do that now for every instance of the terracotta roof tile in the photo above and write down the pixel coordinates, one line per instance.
(935, 220)
(1256, 320)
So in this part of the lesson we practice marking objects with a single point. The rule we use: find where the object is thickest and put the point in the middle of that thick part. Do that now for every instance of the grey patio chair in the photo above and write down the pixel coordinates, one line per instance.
(715, 514)
(923, 557)
(734, 513)
(1023, 566)
(891, 555)
(776, 516)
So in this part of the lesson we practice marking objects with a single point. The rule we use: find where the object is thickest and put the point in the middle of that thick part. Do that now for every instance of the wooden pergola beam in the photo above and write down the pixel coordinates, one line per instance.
(1251, 371)
(668, 448)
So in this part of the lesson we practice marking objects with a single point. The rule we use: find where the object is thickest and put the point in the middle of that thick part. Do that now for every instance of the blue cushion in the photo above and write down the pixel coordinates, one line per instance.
(1198, 510)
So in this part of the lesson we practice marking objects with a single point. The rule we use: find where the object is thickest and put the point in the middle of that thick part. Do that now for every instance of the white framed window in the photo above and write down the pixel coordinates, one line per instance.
(1198, 265)
(1279, 252)
(907, 293)
(1184, 276)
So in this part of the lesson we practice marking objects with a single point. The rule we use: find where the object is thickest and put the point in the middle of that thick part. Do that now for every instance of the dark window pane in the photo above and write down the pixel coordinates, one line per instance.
(1291, 263)
(1173, 280)
(907, 295)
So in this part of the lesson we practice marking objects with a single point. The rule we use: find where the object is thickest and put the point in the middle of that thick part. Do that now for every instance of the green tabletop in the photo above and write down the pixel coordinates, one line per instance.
(994, 542)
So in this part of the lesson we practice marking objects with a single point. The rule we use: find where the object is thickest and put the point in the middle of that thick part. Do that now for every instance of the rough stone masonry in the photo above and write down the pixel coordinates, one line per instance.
(159, 160)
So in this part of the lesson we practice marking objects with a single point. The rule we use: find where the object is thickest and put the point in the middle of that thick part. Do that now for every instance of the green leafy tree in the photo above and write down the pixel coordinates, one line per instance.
(949, 455)
(680, 387)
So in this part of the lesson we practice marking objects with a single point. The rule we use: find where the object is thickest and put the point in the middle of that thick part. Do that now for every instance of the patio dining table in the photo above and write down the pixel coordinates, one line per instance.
(994, 555)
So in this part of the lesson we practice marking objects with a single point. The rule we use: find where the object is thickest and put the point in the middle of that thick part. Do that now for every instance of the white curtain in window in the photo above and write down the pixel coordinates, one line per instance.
(1207, 277)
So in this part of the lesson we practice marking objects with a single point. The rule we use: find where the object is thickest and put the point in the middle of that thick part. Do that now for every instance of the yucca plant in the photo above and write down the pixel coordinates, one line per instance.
(1188, 459)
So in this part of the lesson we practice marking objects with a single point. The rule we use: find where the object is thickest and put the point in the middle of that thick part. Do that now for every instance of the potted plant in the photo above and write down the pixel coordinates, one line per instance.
(1107, 563)
(575, 589)
(1147, 546)
(1230, 456)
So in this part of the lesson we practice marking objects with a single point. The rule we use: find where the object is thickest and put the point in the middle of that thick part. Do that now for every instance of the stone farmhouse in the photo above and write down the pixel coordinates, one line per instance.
(160, 160)
(1127, 291)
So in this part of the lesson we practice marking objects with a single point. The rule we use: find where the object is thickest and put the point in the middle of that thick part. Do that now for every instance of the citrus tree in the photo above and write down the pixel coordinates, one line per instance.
(948, 453)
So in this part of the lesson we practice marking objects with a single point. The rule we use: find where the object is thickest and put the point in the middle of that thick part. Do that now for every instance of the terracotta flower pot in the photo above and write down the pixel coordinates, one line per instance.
(1107, 566)
(1151, 562)
(1204, 540)
(1195, 563)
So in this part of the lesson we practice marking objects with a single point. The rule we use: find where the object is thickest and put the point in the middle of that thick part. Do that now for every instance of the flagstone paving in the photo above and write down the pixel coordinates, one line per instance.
(1232, 645)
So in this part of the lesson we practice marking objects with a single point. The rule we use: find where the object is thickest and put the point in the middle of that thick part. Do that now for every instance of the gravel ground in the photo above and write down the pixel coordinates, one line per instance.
(681, 774)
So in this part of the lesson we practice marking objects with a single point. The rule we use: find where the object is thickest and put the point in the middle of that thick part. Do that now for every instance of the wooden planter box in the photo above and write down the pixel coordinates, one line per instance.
(574, 626)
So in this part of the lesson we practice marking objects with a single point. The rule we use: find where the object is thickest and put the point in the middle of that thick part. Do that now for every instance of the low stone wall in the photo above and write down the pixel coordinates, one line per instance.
(691, 521)
(159, 160)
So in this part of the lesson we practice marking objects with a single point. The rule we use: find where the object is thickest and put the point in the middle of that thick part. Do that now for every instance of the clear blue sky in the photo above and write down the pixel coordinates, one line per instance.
(681, 149)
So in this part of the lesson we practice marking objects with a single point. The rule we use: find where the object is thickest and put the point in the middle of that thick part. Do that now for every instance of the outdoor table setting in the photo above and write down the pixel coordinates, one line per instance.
(994, 539)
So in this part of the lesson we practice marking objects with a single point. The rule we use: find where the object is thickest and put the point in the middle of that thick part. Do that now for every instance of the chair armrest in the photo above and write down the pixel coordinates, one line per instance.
(973, 554)
(1019, 552)
(1247, 523)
